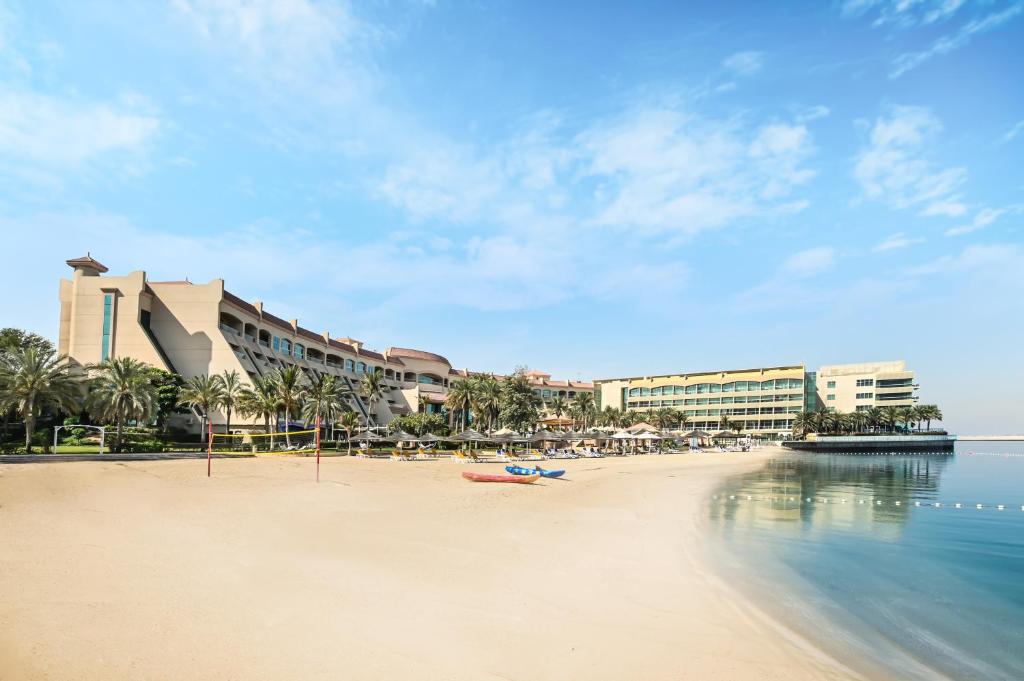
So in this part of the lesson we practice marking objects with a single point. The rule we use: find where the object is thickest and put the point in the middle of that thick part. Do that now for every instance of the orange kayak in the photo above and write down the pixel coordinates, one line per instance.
(490, 477)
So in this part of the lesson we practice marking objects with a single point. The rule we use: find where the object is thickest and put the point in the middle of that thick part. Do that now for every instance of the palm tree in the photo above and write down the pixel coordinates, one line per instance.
(804, 422)
(890, 416)
(585, 407)
(725, 423)
(683, 420)
(291, 391)
(121, 389)
(231, 390)
(204, 393)
(260, 401)
(876, 419)
(33, 379)
(348, 422)
(373, 389)
(327, 399)
(858, 421)
(487, 399)
(930, 412)
(459, 400)
(827, 420)
(557, 406)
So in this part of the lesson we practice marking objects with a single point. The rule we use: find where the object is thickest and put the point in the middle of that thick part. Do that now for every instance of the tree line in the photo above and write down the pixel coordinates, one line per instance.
(888, 419)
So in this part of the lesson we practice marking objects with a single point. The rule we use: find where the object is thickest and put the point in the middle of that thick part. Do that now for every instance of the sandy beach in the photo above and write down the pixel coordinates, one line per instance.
(383, 570)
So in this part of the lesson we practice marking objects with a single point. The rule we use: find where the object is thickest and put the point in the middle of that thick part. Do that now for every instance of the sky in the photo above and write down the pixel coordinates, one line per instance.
(590, 189)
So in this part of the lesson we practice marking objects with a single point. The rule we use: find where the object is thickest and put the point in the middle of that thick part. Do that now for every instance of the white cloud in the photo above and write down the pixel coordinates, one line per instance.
(809, 262)
(1002, 260)
(58, 132)
(1012, 133)
(662, 170)
(744, 63)
(956, 40)
(896, 241)
(813, 113)
(893, 167)
(903, 13)
(983, 218)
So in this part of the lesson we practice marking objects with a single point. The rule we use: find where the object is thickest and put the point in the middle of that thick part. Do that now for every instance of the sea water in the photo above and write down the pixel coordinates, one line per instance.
(886, 561)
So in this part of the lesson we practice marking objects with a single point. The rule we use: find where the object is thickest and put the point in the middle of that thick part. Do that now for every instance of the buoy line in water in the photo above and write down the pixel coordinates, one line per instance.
(867, 501)
(1002, 455)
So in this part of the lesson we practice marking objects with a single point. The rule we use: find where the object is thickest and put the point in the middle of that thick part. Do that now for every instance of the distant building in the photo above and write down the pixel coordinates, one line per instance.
(764, 400)
(195, 329)
(859, 387)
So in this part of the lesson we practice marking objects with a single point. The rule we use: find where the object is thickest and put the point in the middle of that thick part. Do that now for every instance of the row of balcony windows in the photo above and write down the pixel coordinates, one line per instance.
(739, 399)
(732, 386)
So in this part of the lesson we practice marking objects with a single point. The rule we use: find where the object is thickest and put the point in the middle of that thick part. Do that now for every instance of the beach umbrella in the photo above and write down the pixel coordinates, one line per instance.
(726, 435)
(640, 427)
(623, 435)
(429, 437)
(648, 436)
(402, 436)
(502, 432)
(469, 435)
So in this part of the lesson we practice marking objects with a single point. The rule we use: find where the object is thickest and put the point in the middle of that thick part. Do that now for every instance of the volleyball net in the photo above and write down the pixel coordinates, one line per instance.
(298, 442)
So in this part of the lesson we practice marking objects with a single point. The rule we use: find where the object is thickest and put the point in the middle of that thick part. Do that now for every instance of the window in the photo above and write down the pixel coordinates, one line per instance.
(702, 388)
(726, 400)
(350, 365)
(894, 382)
(634, 392)
(108, 322)
(728, 387)
(865, 396)
(645, 392)
(830, 397)
(655, 391)
(716, 387)
(690, 389)
(865, 382)
(768, 385)
(277, 343)
(831, 384)
(300, 351)
(546, 393)
(286, 346)
(360, 367)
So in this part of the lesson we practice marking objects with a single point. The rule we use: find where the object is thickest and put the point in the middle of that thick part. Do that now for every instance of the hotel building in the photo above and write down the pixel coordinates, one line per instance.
(194, 329)
(763, 400)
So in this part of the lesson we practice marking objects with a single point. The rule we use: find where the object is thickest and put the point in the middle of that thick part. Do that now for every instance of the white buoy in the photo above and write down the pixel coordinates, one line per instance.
(938, 505)
(879, 503)
(979, 506)
(917, 503)
(958, 505)
(897, 503)
(1000, 507)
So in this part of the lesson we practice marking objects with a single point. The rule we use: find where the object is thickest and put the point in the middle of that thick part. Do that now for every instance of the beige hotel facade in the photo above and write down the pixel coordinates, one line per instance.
(194, 329)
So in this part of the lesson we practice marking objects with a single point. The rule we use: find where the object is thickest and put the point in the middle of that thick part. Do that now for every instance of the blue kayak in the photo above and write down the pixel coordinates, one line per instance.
(520, 470)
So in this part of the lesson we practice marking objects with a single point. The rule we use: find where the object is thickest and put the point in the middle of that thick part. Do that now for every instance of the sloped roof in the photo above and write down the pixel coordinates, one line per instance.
(87, 261)
(410, 353)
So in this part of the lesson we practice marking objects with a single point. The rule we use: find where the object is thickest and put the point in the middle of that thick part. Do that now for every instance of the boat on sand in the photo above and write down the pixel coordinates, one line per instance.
(522, 470)
(491, 477)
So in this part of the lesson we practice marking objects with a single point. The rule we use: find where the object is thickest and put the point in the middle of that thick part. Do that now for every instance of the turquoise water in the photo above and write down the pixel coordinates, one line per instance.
(881, 567)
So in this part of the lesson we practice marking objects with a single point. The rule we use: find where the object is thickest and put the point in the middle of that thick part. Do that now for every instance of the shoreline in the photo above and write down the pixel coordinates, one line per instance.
(384, 569)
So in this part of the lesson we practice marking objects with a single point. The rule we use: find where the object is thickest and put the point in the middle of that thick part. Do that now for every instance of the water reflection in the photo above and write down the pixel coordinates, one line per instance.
(920, 590)
(844, 492)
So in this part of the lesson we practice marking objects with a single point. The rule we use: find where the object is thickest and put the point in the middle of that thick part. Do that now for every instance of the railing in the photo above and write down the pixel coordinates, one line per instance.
(225, 327)
(917, 437)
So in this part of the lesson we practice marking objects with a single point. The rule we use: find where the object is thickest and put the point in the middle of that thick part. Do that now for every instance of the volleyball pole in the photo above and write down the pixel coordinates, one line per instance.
(209, 446)
(318, 448)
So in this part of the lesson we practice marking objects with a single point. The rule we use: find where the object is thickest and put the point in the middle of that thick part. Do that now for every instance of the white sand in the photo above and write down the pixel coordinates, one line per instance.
(384, 570)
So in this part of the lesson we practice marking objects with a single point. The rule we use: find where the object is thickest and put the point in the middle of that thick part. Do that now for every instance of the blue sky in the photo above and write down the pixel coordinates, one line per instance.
(593, 189)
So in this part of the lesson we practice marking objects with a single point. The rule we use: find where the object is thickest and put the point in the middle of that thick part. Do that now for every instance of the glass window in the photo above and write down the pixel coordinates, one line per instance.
(865, 396)
(796, 383)
(716, 387)
(277, 343)
(767, 385)
(108, 323)
(679, 390)
(645, 392)
(300, 351)
(350, 365)
(714, 400)
(728, 387)
(702, 388)
(865, 382)
(831, 384)
(690, 389)
(286, 346)
(690, 401)
(727, 400)
(655, 391)
(546, 393)
(702, 400)
(634, 392)
(830, 397)
(360, 367)
(713, 412)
